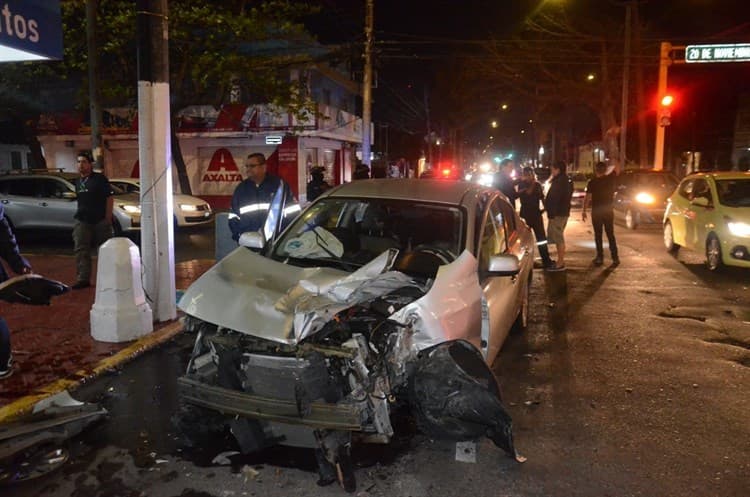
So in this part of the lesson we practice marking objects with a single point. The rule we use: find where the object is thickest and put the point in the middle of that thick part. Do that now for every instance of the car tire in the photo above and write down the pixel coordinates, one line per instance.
(713, 253)
(522, 320)
(632, 219)
(669, 243)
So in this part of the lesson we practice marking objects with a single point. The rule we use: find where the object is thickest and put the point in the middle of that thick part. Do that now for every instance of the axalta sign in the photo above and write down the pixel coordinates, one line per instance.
(738, 52)
(222, 167)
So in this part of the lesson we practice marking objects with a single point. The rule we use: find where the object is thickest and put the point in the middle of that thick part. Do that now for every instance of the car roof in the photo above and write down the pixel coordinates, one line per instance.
(647, 171)
(427, 190)
(40, 174)
(720, 175)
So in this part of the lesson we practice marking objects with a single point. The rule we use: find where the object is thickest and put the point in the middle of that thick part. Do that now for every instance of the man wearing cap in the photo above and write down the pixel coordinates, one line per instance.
(252, 198)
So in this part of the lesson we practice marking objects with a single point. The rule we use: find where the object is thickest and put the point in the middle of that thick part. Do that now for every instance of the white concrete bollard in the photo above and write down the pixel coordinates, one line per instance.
(120, 312)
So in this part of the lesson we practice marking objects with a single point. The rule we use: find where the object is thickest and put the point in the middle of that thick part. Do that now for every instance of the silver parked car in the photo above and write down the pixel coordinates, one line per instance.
(382, 295)
(188, 210)
(47, 201)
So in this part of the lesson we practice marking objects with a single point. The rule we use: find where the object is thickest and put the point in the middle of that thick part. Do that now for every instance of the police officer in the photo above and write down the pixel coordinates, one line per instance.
(252, 198)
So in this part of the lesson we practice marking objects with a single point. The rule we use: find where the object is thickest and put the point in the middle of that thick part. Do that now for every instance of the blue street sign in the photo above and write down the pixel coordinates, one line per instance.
(30, 30)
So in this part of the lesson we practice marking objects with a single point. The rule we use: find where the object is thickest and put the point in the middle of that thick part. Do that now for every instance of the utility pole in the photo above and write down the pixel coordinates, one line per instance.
(640, 100)
(625, 88)
(367, 84)
(95, 100)
(155, 158)
(664, 62)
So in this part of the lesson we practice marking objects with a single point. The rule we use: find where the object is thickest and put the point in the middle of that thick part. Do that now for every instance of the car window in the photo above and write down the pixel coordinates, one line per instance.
(493, 238)
(686, 189)
(25, 187)
(700, 190)
(734, 192)
(52, 188)
(355, 231)
(127, 187)
(116, 190)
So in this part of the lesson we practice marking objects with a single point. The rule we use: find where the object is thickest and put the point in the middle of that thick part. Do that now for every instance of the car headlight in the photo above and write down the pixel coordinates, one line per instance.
(188, 207)
(131, 209)
(645, 198)
(739, 229)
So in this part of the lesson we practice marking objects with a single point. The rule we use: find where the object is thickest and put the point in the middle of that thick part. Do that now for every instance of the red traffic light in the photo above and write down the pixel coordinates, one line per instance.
(667, 100)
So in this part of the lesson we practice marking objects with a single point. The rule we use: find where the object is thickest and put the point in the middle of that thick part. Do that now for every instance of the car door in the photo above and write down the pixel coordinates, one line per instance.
(501, 293)
(678, 212)
(57, 209)
(699, 218)
(21, 203)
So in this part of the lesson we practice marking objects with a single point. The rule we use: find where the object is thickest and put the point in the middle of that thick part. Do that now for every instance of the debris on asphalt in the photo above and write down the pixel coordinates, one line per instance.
(466, 451)
(223, 458)
(249, 473)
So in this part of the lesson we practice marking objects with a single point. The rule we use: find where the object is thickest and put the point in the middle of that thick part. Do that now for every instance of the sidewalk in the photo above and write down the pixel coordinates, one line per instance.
(52, 346)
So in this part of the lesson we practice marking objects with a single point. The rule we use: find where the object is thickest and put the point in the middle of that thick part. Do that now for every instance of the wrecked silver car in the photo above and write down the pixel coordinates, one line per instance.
(381, 295)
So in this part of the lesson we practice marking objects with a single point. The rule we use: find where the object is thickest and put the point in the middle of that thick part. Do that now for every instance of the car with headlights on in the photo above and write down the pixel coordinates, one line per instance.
(382, 296)
(710, 212)
(641, 196)
(46, 200)
(188, 210)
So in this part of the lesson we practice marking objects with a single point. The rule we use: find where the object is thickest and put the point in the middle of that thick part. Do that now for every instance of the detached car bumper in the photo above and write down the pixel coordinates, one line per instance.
(318, 415)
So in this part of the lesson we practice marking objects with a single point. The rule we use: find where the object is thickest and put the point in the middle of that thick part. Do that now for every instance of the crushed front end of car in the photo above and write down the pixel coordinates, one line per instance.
(321, 358)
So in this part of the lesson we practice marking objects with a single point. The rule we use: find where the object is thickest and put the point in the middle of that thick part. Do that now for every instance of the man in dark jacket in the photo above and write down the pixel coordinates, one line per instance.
(531, 196)
(505, 182)
(253, 197)
(557, 204)
(600, 193)
(318, 184)
(10, 254)
(93, 217)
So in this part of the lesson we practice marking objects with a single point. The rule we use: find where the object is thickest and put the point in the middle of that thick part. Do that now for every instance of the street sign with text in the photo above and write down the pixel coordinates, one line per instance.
(737, 52)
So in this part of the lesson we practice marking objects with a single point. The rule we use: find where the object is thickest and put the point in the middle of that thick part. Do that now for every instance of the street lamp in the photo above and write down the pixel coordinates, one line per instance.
(590, 77)
(494, 124)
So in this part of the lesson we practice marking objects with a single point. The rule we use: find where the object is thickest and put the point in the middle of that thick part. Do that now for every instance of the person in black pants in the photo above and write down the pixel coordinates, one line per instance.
(531, 196)
(10, 254)
(600, 194)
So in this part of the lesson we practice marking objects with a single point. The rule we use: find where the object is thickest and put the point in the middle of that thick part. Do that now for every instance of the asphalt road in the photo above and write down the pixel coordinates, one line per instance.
(630, 381)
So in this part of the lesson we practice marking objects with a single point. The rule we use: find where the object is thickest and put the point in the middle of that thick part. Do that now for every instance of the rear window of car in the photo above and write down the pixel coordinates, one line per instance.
(22, 187)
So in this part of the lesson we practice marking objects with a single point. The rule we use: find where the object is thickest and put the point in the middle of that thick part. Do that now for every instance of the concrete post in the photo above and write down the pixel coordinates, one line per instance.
(120, 312)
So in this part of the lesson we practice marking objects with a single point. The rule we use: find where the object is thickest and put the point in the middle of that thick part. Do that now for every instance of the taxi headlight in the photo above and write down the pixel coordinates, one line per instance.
(188, 207)
(131, 209)
(739, 229)
(645, 198)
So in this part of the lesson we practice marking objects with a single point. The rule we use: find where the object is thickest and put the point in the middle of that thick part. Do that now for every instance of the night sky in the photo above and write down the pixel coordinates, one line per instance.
(707, 95)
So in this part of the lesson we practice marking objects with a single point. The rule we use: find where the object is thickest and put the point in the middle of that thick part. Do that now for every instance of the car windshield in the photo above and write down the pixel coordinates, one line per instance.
(663, 182)
(348, 233)
(734, 192)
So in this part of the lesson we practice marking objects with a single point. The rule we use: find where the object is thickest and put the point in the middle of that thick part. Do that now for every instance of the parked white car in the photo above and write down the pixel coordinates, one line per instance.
(188, 210)
(382, 294)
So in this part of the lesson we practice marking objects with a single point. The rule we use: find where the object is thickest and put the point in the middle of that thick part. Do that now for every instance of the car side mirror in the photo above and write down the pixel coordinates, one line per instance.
(69, 195)
(701, 201)
(252, 239)
(503, 265)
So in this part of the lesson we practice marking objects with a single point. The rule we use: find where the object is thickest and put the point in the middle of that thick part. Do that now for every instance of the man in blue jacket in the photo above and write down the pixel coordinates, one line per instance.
(252, 198)
(10, 254)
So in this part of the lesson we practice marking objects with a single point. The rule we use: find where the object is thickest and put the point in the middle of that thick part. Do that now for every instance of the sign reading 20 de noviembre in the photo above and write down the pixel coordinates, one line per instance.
(739, 52)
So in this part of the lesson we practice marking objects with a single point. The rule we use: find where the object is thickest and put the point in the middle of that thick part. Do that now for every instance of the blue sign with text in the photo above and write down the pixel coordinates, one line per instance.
(32, 26)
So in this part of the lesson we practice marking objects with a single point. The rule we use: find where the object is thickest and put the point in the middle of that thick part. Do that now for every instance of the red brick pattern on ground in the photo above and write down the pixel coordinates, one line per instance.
(54, 342)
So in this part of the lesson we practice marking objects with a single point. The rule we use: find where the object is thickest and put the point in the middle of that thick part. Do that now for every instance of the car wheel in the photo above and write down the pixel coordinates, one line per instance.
(669, 243)
(522, 320)
(632, 219)
(713, 253)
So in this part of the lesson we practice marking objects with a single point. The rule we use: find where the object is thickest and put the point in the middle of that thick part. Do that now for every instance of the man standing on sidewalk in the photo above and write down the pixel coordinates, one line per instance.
(557, 204)
(93, 218)
(10, 254)
(600, 194)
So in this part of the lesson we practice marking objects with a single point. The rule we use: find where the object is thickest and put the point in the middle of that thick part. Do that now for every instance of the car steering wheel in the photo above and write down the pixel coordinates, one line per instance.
(446, 255)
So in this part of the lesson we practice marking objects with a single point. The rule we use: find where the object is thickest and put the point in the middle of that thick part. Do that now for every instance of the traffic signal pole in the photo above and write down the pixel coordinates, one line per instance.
(664, 62)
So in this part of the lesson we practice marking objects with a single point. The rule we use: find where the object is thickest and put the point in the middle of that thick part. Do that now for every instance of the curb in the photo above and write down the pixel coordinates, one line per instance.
(24, 405)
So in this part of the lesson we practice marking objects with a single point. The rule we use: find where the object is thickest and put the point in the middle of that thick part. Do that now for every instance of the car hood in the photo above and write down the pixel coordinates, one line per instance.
(255, 295)
(128, 198)
(181, 198)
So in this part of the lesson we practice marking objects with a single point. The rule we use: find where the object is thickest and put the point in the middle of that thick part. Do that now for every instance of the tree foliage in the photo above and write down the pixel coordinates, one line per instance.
(252, 43)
